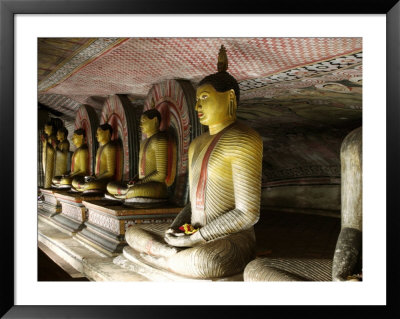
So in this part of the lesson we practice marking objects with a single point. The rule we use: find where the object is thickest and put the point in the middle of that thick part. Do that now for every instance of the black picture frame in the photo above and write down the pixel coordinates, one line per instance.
(8, 9)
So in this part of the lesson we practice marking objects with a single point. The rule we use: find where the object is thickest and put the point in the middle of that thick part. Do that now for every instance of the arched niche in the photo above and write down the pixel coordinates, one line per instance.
(87, 119)
(175, 100)
(121, 115)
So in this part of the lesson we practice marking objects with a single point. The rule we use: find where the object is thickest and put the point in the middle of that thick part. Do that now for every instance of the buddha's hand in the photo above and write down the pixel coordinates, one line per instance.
(180, 239)
(89, 179)
(133, 181)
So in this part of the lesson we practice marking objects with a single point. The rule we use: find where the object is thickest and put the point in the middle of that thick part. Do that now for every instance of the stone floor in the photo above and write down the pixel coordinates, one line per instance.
(279, 235)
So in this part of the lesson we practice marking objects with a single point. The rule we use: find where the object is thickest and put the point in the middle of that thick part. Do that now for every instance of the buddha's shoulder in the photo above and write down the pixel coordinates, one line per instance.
(200, 139)
(241, 130)
(111, 146)
(160, 136)
(82, 149)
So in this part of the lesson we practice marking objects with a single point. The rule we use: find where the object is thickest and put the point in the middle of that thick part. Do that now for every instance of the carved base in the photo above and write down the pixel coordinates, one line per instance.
(133, 261)
(50, 205)
(145, 202)
(61, 187)
(108, 220)
(73, 212)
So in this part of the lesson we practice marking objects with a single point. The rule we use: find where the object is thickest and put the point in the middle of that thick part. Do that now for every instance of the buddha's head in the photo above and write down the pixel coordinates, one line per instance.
(49, 128)
(150, 122)
(217, 95)
(79, 137)
(104, 133)
(62, 134)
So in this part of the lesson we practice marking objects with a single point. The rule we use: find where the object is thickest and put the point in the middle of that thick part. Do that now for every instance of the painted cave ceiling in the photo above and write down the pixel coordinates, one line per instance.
(303, 95)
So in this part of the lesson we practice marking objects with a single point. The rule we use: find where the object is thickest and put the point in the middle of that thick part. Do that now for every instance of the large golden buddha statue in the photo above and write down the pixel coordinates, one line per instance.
(213, 235)
(105, 169)
(79, 161)
(153, 163)
(49, 144)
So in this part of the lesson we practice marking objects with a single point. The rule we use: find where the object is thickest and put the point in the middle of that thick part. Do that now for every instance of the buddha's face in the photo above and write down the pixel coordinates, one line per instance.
(213, 107)
(102, 136)
(48, 129)
(60, 136)
(148, 125)
(77, 140)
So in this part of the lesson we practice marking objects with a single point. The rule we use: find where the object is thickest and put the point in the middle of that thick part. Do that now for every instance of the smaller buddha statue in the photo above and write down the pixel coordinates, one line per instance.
(49, 145)
(79, 161)
(105, 170)
(150, 182)
(61, 154)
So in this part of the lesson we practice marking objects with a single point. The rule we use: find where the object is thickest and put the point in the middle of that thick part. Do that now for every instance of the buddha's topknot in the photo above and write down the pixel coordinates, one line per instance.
(222, 81)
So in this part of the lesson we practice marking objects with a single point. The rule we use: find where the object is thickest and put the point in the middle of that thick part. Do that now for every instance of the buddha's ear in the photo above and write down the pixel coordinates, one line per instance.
(232, 96)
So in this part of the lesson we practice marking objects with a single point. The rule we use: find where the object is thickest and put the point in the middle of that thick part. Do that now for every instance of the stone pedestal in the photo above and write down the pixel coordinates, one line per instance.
(108, 220)
(50, 205)
(73, 213)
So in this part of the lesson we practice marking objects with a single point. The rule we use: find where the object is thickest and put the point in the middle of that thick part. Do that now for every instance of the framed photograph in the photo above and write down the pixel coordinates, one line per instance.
(373, 30)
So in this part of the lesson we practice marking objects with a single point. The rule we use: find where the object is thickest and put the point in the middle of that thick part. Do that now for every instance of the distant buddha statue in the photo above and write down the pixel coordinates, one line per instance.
(105, 169)
(213, 235)
(62, 151)
(153, 163)
(49, 144)
(79, 161)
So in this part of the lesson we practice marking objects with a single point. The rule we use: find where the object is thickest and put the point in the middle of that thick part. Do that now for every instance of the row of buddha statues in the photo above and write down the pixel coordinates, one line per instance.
(150, 181)
(213, 235)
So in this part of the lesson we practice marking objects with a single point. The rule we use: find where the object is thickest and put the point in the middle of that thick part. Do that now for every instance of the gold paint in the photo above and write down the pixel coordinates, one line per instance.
(80, 160)
(105, 160)
(152, 182)
(62, 151)
(208, 101)
(48, 154)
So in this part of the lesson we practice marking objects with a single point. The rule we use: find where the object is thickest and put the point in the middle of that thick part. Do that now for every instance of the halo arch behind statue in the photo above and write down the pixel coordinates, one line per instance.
(121, 115)
(175, 100)
(87, 119)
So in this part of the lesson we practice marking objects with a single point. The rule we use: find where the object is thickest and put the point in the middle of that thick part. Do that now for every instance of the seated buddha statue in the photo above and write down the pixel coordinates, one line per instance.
(79, 161)
(153, 162)
(61, 155)
(213, 236)
(49, 144)
(105, 169)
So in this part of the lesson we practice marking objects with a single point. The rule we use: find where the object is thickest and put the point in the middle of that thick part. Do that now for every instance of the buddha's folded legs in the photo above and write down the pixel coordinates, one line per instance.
(78, 183)
(148, 242)
(117, 188)
(218, 258)
(66, 180)
(98, 185)
(150, 190)
(56, 180)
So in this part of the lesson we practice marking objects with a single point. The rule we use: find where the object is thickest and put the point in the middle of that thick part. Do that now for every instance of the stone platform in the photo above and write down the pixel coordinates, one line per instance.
(77, 259)
(108, 220)
(50, 205)
(283, 237)
(73, 213)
